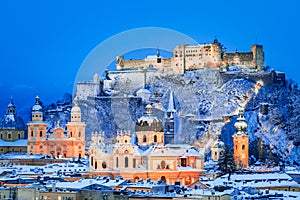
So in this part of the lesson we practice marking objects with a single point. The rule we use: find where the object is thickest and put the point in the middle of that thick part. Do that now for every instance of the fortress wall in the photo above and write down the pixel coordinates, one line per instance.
(129, 81)
(85, 89)
(239, 59)
(266, 77)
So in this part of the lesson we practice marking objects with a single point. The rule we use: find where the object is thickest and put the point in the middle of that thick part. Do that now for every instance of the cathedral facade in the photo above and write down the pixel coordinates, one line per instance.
(60, 143)
(146, 153)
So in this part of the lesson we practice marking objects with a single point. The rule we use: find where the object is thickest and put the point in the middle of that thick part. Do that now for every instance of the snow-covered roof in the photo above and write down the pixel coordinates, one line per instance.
(255, 180)
(17, 143)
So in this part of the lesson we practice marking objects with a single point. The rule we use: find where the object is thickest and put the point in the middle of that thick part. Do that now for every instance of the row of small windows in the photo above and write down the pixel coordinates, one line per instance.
(9, 136)
(75, 117)
(36, 115)
(145, 138)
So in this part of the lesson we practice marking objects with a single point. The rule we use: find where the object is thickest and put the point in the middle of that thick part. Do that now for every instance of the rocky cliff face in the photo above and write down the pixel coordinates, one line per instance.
(207, 105)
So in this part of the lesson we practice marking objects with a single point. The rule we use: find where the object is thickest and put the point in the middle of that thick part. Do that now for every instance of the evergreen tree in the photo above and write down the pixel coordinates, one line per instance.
(226, 162)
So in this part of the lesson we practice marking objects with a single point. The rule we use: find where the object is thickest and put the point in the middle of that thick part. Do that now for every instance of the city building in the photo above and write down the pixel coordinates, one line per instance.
(145, 154)
(60, 143)
(12, 131)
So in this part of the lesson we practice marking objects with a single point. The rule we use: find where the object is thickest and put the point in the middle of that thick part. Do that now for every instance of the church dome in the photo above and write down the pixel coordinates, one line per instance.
(75, 109)
(219, 144)
(149, 122)
(241, 125)
(37, 106)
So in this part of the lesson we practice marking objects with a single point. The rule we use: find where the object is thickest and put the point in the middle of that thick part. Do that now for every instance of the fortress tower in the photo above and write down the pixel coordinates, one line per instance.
(241, 142)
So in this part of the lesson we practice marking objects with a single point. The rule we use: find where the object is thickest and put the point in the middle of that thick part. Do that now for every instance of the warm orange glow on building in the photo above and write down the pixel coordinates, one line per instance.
(241, 142)
(57, 144)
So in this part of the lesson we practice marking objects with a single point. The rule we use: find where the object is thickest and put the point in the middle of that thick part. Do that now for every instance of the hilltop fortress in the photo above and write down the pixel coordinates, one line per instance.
(187, 57)
(135, 74)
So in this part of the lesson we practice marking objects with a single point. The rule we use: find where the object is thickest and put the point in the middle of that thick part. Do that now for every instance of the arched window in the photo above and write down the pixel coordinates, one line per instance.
(163, 178)
(126, 162)
(19, 136)
(96, 164)
(41, 133)
(163, 164)
(144, 138)
(104, 165)
(117, 162)
(243, 147)
(71, 134)
(79, 134)
(155, 138)
(31, 133)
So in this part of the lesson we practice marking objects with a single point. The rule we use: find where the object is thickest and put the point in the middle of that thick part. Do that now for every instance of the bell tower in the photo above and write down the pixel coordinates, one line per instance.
(76, 131)
(36, 129)
(241, 142)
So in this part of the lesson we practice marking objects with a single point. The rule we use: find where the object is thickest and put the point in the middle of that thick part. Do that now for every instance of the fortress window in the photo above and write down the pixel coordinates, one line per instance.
(1, 136)
(243, 147)
(41, 133)
(31, 133)
(92, 161)
(144, 138)
(19, 136)
(117, 162)
(79, 134)
(9, 136)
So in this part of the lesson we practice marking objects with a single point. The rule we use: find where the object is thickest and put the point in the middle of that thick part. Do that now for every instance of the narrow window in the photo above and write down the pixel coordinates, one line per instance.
(144, 138)
(134, 163)
(41, 133)
(117, 162)
(155, 138)
(126, 162)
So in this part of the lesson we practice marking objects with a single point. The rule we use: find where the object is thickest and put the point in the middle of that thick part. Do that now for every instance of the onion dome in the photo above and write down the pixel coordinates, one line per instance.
(149, 122)
(37, 106)
(241, 125)
(75, 109)
(219, 143)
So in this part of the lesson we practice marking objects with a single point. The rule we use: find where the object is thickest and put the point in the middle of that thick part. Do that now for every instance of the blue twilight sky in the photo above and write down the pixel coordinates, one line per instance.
(43, 43)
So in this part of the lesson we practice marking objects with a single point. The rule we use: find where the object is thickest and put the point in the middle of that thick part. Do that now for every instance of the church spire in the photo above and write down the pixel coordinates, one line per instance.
(171, 106)
(11, 108)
